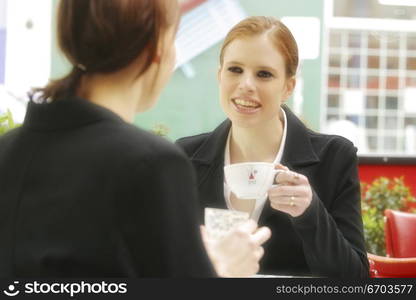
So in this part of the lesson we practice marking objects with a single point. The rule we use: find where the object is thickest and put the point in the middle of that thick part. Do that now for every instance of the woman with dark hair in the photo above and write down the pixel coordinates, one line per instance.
(84, 192)
(314, 211)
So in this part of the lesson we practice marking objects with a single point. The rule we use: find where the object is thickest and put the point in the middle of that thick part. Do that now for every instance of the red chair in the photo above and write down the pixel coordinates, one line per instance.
(400, 234)
(388, 267)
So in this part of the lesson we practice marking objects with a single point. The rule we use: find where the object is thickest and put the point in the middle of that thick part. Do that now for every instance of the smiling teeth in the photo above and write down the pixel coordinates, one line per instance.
(245, 103)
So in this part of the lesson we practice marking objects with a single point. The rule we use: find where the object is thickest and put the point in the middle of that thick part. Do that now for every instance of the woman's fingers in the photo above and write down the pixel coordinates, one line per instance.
(259, 253)
(239, 252)
(204, 233)
(290, 177)
(281, 167)
(293, 193)
(288, 191)
(247, 227)
(261, 235)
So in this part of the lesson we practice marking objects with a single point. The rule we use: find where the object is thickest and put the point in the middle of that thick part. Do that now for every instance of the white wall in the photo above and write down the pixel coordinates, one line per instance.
(28, 48)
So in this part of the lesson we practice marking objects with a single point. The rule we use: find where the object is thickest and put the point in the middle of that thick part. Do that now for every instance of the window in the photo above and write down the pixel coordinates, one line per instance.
(371, 78)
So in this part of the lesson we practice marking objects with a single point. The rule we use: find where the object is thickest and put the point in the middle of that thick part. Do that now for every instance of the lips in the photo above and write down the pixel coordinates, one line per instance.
(245, 105)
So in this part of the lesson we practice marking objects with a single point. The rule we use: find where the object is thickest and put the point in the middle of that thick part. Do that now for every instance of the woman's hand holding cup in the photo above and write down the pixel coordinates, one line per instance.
(238, 253)
(292, 194)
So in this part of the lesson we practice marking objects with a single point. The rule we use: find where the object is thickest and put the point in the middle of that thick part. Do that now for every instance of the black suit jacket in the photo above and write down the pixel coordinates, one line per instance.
(84, 194)
(327, 240)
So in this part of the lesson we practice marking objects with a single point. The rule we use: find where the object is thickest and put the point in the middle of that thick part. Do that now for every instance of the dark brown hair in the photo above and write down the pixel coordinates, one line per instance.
(278, 33)
(104, 36)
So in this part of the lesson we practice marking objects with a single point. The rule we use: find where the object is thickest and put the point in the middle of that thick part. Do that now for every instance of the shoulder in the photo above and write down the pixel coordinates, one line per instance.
(207, 145)
(332, 148)
(9, 137)
(151, 144)
(320, 143)
(332, 141)
(10, 134)
(128, 144)
(190, 144)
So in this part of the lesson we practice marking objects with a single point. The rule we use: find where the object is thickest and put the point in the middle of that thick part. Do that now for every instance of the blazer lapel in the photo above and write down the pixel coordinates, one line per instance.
(208, 161)
(298, 154)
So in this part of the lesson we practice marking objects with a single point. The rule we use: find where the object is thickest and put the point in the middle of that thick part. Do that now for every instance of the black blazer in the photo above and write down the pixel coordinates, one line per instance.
(84, 194)
(327, 240)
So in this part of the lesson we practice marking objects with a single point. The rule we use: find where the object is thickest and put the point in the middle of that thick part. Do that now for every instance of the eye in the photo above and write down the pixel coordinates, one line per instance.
(237, 70)
(264, 74)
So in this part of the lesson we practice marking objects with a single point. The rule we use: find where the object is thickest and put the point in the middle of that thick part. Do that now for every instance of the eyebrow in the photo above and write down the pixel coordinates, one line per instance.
(260, 67)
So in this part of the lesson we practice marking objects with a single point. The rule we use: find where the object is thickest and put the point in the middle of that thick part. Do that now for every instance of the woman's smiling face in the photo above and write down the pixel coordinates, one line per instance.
(253, 81)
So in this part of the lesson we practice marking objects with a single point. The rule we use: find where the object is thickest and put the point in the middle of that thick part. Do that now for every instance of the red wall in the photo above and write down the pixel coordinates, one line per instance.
(369, 172)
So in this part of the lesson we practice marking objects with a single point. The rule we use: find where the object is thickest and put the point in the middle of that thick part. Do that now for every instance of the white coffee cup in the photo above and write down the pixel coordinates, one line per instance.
(250, 180)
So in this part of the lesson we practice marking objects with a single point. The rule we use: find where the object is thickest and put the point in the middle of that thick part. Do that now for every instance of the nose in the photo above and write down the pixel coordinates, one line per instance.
(246, 83)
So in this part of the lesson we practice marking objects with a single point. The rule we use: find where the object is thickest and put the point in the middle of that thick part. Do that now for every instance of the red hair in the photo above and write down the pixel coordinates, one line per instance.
(278, 33)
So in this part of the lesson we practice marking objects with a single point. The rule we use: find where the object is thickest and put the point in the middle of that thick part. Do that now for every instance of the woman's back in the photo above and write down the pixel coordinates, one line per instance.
(81, 195)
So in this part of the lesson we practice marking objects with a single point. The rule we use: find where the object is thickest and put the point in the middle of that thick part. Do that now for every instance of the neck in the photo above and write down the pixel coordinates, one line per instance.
(260, 143)
(115, 92)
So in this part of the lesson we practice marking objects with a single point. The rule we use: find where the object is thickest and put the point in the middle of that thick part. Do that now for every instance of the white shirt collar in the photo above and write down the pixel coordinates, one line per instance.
(259, 202)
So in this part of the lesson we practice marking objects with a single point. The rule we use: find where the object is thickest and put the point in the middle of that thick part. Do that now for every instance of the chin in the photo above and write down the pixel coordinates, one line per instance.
(244, 122)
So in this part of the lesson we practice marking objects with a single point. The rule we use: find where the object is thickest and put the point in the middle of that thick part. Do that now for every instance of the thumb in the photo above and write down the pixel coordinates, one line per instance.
(262, 235)
(281, 167)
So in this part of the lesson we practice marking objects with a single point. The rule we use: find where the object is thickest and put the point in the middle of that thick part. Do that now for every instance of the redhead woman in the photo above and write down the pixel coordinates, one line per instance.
(85, 193)
(314, 211)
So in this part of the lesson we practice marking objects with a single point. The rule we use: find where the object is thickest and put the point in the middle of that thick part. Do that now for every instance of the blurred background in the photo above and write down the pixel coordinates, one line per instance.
(357, 75)
(357, 78)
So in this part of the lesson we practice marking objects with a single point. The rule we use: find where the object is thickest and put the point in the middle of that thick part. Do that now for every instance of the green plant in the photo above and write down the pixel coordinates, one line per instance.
(160, 130)
(381, 194)
(6, 122)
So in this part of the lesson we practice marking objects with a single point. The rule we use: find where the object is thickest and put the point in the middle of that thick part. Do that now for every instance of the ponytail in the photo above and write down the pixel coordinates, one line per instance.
(59, 88)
